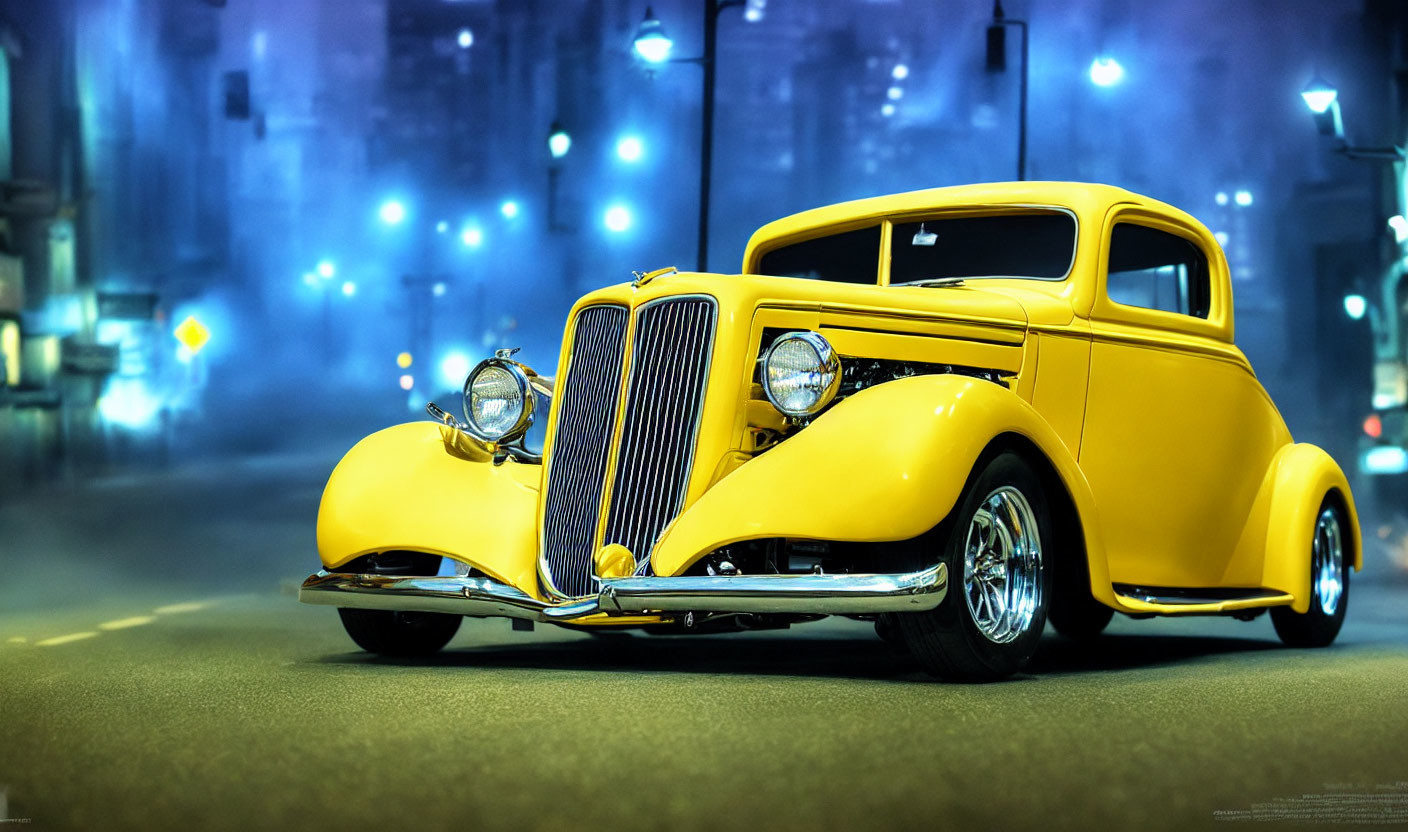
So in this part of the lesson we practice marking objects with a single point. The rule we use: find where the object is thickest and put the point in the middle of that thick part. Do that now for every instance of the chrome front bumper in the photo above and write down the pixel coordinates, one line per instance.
(481, 597)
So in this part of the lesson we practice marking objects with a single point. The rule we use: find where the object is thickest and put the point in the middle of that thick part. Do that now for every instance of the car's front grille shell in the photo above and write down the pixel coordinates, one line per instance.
(586, 422)
(654, 440)
(669, 369)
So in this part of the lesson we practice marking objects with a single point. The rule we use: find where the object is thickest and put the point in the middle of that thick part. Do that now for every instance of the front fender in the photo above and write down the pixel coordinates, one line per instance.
(421, 486)
(885, 464)
(1300, 477)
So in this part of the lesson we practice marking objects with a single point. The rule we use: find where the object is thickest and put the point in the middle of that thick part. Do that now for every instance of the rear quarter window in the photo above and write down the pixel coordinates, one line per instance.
(1154, 269)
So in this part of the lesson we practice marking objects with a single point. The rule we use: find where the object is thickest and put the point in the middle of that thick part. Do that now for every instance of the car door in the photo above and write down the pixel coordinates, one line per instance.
(1178, 433)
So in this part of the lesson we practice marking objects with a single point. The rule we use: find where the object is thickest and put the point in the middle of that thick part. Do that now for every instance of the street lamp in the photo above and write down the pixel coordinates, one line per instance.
(617, 218)
(997, 62)
(653, 46)
(559, 142)
(1106, 72)
(1323, 101)
(1355, 306)
(392, 212)
(1319, 95)
(651, 43)
(629, 149)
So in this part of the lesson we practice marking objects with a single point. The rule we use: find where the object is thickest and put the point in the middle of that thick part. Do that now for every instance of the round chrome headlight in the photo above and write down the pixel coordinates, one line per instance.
(801, 374)
(498, 401)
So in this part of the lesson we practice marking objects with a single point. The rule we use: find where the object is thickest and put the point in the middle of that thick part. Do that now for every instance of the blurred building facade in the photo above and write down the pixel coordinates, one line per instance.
(229, 160)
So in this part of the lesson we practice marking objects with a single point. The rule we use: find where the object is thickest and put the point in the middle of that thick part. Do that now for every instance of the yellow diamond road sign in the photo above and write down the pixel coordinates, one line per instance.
(192, 334)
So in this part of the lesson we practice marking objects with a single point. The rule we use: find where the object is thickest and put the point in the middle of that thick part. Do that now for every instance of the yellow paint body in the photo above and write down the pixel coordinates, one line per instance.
(1178, 464)
(423, 487)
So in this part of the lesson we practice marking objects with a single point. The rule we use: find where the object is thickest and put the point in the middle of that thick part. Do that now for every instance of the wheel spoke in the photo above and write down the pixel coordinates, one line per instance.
(1002, 565)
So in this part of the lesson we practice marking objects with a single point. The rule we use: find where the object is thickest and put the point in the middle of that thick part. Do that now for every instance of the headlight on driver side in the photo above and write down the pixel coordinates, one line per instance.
(801, 374)
(498, 401)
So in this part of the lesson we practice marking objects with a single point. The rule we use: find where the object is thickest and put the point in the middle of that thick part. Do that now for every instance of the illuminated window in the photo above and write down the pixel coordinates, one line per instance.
(10, 352)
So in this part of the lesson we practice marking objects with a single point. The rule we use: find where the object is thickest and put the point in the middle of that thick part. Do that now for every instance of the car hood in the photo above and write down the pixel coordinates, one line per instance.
(968, 305)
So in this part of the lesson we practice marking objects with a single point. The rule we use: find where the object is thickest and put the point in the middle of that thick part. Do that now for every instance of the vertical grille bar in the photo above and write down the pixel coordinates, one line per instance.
(577, 469)
(669, 371)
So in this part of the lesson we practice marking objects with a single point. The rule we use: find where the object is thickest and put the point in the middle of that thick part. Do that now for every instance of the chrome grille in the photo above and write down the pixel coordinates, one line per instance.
(669, 368)
(577, 467)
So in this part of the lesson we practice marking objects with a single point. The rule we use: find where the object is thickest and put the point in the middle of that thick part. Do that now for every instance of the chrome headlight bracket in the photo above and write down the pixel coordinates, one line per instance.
(825, 377)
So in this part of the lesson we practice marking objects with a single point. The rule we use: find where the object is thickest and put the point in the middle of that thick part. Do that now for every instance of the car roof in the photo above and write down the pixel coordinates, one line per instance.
(1088, 200)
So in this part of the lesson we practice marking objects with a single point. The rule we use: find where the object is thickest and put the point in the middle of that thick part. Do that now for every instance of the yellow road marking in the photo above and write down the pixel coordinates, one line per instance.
(50, 642)
(17, 639)
(188, 606)
(124, 623)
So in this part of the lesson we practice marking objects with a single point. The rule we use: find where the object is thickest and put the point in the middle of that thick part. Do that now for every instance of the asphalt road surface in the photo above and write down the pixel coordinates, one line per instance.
(157, 673)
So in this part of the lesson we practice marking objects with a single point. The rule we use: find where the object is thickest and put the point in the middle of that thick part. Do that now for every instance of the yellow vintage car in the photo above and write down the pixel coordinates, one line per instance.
(960, 413)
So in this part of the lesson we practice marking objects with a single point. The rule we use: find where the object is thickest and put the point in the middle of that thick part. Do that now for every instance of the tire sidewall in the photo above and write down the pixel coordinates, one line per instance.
(1317, 614)
(1314, 628)
(1005, 469)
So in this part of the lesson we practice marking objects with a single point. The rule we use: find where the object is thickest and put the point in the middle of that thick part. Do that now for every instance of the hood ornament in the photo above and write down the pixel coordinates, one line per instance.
(642, 278)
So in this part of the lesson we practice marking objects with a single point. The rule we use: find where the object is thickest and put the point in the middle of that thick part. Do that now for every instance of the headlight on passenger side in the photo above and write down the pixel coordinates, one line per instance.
(801, 374)
(498, 401)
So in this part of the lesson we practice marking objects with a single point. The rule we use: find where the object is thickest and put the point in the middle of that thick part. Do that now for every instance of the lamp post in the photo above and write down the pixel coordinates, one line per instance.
(997, 62)
(653, 46)
(1322, 99)
(559, 143)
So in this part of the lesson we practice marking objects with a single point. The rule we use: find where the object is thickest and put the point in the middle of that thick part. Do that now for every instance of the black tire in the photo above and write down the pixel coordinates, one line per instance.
(388, 633)
(1075, 614)
(948, 641)
(888, 629)
(1316, 627)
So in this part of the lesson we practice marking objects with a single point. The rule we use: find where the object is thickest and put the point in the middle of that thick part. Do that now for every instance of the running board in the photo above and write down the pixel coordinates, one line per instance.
(1166, 600)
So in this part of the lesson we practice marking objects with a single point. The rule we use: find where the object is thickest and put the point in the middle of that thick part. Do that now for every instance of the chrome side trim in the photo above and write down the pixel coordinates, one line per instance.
(485, 598)
(1187, 596)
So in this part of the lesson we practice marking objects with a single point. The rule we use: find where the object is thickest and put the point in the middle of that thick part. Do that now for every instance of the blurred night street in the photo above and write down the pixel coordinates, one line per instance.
(239, 237)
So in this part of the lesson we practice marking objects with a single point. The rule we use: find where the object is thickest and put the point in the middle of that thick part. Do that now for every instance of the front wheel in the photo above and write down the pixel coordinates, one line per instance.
(388, 633)
(999, 583)
(1329, 587)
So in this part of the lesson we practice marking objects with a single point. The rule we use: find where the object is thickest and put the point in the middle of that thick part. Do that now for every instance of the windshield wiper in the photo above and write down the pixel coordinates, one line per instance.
(936, 281)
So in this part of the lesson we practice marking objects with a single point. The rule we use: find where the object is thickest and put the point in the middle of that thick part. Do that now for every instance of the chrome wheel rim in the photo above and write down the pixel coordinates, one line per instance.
(1002, 566)
(1327, 562)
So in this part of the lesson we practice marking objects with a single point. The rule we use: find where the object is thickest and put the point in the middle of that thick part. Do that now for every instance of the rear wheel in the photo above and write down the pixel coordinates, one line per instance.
(990, 624)
(1329, 587)
(388, 633)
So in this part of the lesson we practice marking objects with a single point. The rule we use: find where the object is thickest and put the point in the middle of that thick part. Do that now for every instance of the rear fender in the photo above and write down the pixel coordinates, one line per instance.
(424, 487)
(1299, 478)
(885, 464)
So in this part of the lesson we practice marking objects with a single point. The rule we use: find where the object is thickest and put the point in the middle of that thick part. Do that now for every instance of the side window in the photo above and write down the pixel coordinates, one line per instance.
(1157, 270)
(849, 257)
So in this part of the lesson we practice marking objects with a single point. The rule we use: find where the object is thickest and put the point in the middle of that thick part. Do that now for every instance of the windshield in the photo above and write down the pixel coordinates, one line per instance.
(1037, 245)
(849, 257)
